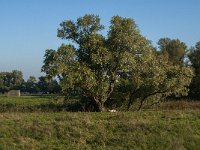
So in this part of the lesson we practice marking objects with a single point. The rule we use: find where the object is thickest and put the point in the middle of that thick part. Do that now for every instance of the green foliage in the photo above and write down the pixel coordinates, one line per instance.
(153, 78)
(31, 85)
(14, 81)
(96, 65)
(10, 80)
(173, 49)
(94, 62)
(48, 86)
(194, 57)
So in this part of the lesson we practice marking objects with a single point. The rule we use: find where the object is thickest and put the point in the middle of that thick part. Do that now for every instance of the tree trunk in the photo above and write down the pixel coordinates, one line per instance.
(141, 104)
(129, 104)
(101, 107)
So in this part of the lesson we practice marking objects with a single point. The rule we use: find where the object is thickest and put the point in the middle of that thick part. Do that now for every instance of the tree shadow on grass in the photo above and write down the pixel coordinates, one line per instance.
(49, 107)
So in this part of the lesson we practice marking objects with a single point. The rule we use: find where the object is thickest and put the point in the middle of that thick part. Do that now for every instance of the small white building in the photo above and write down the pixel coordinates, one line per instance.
(13, 93)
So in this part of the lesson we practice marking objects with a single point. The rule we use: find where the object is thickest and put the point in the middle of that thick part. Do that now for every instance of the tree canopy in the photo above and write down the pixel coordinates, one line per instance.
(173, 49)
(10, 80)
(96, 65)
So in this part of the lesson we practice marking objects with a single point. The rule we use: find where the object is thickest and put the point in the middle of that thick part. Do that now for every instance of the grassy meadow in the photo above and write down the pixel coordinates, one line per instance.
(22, 126)
(24, 103)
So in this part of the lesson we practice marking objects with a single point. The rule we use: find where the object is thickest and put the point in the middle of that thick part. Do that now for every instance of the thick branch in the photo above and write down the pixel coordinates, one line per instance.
(151, 94)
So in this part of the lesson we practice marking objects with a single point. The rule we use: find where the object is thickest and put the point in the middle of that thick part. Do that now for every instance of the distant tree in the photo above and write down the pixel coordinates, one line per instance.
(10, 80)
(46, 85)
(173, 49)
(163, 42)
(16, 79)
(194, 57)
(31, 85)
(2, 82)
(53, 86)
(42, 84)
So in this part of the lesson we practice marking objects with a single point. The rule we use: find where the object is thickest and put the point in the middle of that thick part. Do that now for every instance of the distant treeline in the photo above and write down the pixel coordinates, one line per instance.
(14, 81)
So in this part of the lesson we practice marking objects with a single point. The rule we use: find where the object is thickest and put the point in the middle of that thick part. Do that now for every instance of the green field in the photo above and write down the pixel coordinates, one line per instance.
(147, 129)
(36, 104)
(24, 103)
(25, 100)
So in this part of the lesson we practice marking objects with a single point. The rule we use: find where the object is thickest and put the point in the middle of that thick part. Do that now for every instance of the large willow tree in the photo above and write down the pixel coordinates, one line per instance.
(95, 64)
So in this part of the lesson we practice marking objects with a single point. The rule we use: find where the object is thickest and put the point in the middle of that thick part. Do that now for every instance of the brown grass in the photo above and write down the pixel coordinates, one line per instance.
(179, 105)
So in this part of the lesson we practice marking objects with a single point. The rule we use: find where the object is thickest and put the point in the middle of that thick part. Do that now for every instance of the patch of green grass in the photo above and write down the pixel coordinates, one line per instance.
(25, 103)
(122, 130)
(38, 103)
(25, 100)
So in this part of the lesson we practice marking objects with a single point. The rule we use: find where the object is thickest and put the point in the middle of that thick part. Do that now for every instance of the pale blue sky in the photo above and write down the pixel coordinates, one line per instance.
(28, 27)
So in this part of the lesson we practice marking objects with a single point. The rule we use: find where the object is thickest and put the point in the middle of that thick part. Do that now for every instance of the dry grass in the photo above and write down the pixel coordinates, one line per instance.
(179, 105)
